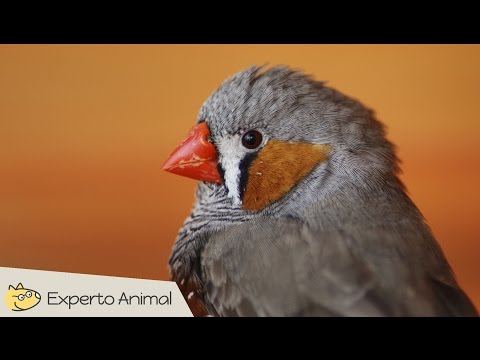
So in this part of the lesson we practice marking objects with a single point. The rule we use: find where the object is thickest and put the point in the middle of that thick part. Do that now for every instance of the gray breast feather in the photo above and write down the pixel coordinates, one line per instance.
(272, 267)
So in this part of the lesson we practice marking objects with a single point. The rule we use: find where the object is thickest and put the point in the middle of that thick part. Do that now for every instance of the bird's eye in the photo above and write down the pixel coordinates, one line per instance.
(21, 297)
(252, 139)
(28, 294)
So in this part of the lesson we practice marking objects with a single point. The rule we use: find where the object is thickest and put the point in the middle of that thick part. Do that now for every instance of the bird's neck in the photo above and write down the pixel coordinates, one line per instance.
(324, 203)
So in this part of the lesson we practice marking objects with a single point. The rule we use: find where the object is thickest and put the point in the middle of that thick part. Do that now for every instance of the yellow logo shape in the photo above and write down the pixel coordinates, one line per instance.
(21, 299)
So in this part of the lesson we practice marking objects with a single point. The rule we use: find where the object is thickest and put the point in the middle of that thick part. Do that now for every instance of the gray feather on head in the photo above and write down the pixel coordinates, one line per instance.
(288, 105)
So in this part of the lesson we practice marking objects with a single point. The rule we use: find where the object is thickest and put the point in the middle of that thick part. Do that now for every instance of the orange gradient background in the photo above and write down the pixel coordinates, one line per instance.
(84, 130)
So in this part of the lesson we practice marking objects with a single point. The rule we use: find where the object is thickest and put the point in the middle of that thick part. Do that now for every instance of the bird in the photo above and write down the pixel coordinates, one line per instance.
(299, 209)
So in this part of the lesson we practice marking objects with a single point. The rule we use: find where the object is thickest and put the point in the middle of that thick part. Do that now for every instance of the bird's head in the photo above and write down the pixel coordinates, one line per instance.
(263, 134)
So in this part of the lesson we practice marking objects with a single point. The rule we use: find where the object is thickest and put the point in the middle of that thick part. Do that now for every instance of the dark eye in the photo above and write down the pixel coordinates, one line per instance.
(252, 139)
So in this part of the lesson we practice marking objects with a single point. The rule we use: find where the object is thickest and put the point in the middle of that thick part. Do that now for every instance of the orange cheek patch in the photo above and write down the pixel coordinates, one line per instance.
(278, 167)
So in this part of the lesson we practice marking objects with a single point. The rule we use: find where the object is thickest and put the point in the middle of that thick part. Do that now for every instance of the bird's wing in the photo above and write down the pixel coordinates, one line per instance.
(283, 268)
(278, 268)
(451, 300)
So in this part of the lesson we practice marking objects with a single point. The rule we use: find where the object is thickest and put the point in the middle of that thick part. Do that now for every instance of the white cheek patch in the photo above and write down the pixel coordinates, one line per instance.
(231, 154)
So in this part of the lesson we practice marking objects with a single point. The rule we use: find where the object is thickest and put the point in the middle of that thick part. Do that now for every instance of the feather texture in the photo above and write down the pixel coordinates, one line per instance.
(339, 238)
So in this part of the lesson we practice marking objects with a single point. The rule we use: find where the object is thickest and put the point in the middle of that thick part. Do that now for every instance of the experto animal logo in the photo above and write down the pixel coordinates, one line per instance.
(20, 299)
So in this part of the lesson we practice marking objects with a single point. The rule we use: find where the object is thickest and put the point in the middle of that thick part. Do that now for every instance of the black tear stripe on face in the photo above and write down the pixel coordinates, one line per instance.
(221, 171)
(244, 165)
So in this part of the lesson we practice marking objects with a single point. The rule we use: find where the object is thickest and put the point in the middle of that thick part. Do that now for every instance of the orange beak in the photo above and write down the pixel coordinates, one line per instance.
(195, 157)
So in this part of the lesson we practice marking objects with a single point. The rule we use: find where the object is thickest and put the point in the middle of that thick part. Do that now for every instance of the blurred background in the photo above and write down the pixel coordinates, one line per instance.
(84, 130)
